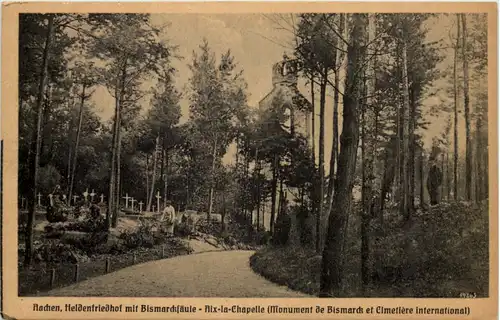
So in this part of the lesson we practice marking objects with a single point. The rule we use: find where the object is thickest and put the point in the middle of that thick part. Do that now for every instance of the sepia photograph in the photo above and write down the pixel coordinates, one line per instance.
(253, 155)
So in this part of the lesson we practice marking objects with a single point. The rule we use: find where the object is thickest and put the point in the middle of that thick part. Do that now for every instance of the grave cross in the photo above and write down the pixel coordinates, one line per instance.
(132, 200)
(158, 197)
(74, 199)
(92, 195)
(140, 206)
(22, 202)
(102, 197)
(51, 200)
(39, 197)
(153, 208)
(126, 200)
(86, 194)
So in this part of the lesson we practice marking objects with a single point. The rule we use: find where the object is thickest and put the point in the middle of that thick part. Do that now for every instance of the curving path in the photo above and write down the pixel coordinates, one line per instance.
(224, 274)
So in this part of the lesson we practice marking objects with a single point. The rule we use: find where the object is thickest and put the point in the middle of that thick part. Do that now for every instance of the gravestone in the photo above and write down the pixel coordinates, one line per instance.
(126, 200)
(39, 199)
(158, 197)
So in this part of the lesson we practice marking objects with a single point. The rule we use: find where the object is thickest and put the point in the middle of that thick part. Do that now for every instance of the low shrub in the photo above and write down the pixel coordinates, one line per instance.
(295, 267)
(57, 213)
(184, 228)
(440, 253)
(88, 243)
(447, 242)
(262, 237)
(281, 229)
(147, 235)
(55, 252)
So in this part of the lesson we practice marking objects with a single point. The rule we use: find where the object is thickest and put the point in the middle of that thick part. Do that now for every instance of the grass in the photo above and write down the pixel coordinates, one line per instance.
(442, 254)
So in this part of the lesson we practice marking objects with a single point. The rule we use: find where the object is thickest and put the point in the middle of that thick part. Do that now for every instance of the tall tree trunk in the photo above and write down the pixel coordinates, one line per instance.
(331, 175)
(448, 177)
(116, 208)
(335, 140)
(368, 148)
(223, 214)
(274, 188)
(406, 134)
(415, 92)
(165, 187)
(280, 204)
(455, 128)
(422, 183)
(112, 167)
(147, 176)
(257, 164)
(71, 134)
(485, 165)
(479, 145)
(117, 148)
(37, 139)
(332, 266)
(245, 196)
(237, 151)
(364, 205)
(257, 181)
(443, 171)
(400, 128)
(468, 138)
(153, 178)
(322, 102)
(212, 182)
(77, 142)
(313, 117)
(162, 170)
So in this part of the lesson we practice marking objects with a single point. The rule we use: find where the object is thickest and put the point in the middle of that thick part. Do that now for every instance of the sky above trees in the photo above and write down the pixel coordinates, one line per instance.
(257, 41)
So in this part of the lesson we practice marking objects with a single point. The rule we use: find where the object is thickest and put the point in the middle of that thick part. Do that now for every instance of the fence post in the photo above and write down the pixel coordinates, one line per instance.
(107, 265)
(52, 278)
(77, 267)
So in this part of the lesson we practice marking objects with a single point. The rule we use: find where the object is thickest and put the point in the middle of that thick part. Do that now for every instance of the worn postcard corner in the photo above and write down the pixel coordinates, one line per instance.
(270, 160)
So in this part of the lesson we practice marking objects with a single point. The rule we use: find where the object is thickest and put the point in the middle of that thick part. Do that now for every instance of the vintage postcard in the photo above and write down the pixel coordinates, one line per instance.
(249, 160)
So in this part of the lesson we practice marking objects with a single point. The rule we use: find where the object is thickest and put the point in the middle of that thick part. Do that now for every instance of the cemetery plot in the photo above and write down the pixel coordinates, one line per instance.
(71, 243)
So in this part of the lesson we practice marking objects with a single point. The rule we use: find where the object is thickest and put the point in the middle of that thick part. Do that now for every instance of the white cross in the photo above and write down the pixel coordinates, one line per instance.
(22, 202)
(158, 197)
(85, 194)
(140, 206)
(102, 197)
(153, 208)
(74, 198)
(51, 201)
(126, 200)
(39, 197)
(132, 200)
(92, 196)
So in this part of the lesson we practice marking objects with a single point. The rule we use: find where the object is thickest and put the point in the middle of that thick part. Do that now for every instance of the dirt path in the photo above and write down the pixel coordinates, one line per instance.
(210, 274)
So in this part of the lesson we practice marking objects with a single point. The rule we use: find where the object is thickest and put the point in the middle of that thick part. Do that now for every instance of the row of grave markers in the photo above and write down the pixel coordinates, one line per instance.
(86, 194)
(132, 201)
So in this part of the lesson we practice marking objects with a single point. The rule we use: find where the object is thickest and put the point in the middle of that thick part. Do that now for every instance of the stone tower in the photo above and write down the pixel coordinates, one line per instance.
(284, 80)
